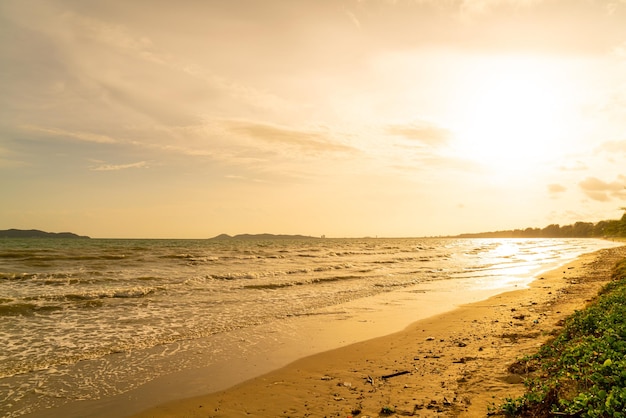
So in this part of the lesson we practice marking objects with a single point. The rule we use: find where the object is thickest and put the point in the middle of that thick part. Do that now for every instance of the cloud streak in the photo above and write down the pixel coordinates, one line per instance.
(113, 35)
(423, 133)
(76, 135)
(306, 140)
(118, 167)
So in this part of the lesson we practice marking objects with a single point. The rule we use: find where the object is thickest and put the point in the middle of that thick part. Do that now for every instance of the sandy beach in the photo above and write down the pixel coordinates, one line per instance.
(451, 364)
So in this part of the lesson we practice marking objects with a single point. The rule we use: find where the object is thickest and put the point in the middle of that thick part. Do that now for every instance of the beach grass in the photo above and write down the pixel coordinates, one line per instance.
(582, 371)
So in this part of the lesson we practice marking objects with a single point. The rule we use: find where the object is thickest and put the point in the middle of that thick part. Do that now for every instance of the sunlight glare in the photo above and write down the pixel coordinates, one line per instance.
(514, 114)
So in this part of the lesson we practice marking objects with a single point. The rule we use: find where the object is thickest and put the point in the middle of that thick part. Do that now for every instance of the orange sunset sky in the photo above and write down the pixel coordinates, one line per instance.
(186, 119)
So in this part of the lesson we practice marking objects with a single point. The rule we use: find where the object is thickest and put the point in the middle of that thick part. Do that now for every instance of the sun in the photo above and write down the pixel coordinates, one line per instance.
(513, 113)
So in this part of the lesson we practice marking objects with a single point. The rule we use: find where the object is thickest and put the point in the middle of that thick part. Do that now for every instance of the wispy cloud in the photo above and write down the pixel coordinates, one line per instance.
(113, 35)
(556, 189)
(6, 160)
(180, 150)
(66, 134)
(612, 6)
(141, 46)
(118, 167)
(471, 8)
(243, 178)
(112, 70)
(614, 147)
(353, 19)
(620, 51)
(615, 104)
(307, 140)
(575, 166)
(602, 191)
(423, 133)
(433, 163)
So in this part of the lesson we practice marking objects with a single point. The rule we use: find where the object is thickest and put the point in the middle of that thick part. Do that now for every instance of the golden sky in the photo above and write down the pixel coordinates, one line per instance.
(186, 119)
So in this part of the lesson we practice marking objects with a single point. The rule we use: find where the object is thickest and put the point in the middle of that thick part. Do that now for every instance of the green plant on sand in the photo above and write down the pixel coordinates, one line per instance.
(581, 372)
(387, 410)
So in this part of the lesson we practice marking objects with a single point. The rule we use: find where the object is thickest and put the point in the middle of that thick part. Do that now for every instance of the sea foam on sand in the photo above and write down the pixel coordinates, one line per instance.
(455, 362)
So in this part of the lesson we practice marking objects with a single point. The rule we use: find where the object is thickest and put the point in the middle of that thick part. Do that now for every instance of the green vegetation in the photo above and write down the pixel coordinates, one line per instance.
(582, 372)
(611, 228)
(387, 410)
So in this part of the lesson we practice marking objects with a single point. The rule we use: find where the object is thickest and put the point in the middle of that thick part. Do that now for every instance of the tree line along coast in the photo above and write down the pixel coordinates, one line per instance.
(602, 229)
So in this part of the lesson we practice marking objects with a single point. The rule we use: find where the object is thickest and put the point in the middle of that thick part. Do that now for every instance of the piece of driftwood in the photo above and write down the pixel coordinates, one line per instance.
(387, 376)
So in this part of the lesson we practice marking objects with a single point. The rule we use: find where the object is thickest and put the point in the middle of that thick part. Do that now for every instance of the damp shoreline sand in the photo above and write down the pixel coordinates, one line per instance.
(450, 364)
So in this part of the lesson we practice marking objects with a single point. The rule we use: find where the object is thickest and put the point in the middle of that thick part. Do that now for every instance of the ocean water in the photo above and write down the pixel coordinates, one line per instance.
(88, 319)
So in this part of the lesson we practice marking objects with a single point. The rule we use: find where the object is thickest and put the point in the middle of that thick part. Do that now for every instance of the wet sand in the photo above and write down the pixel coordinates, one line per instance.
(451, 364)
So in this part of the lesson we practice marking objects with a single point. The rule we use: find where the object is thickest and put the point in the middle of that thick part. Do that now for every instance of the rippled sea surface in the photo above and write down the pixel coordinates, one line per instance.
(65, 301)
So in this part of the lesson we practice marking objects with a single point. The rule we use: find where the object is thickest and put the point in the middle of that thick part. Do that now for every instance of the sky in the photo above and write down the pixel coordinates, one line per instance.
(348, 118)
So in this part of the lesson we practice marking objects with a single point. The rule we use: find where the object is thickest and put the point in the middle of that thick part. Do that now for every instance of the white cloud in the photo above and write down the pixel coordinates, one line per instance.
(118, 167)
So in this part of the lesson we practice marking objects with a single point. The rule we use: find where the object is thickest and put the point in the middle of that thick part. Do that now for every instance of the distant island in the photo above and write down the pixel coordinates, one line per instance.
(261, 236)
(35, 233)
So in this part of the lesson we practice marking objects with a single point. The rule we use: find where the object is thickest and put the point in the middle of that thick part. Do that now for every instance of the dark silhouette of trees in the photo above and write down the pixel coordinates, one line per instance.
(602, 229)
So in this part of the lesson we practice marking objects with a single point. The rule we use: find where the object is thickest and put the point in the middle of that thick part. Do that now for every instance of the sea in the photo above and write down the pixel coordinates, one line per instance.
(92, 319)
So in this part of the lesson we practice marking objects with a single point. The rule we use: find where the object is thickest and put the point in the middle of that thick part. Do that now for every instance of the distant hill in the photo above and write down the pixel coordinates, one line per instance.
(35, 233)
(261, 236)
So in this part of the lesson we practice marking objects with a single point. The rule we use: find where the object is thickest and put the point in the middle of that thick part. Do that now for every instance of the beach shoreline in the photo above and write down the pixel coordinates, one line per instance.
(453, 363)
(248, 354)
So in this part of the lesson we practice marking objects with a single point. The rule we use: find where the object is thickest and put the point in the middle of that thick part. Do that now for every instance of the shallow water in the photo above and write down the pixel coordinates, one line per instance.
(87, 319)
